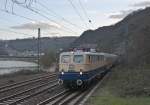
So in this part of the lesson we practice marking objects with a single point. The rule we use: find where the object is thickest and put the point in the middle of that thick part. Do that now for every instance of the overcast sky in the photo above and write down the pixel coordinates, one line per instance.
(61, 17)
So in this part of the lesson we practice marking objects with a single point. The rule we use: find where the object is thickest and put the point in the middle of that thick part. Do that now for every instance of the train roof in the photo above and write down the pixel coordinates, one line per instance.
(87, 53)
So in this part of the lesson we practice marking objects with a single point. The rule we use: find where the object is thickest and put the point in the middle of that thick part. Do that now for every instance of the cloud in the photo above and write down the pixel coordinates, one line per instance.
(36, 25)
(51, 33)
(141, 4)
(93, 12)
(124, 13)
(121, 14)
(85, 1)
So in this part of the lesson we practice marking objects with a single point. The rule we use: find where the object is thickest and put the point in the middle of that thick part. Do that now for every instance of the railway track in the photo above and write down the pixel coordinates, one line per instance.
(7, 88)
(55, 97)
(20, 97)
(17, 90)
(68, 97)
(26, 81)
(60, 97)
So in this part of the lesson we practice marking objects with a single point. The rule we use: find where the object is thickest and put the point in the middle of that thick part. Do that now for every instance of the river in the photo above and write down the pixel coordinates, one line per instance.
(13, 66)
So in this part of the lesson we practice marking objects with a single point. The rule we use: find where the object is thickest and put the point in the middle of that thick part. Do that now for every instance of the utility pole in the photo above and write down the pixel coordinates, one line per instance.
(39, 35)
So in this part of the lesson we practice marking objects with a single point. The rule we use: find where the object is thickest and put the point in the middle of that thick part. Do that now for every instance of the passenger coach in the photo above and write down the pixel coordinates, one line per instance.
(78, 68)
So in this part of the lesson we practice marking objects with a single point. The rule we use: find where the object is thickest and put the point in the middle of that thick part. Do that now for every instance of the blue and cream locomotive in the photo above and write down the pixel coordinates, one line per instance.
(78, 68)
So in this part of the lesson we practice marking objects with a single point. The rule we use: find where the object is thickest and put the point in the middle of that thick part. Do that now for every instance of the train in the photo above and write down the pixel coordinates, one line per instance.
(78, 68)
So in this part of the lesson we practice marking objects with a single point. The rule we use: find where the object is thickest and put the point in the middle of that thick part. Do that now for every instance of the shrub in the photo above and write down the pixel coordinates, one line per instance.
(48, 59)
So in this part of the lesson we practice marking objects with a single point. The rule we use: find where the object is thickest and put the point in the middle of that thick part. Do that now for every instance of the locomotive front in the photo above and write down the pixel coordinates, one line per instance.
(79, 68)
(71, 67)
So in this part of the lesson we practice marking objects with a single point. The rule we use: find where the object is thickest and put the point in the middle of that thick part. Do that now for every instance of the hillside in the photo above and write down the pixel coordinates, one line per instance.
(30, 45)
(130, 38)
(128, 83)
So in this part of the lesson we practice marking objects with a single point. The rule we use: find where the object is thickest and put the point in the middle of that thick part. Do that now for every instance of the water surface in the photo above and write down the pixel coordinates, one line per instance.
(13, 66)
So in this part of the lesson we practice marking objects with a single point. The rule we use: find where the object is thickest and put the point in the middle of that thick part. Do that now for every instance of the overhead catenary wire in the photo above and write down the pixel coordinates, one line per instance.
(19, 2)
(78, 13)
(27, 18)
(18, 15)
(85, 13)
(46, 17)
(60, 17)
(10, 31)
(63, 19)
(6, 4)
(14, 14)
(28, 3)
(7, 20)
(16, 32)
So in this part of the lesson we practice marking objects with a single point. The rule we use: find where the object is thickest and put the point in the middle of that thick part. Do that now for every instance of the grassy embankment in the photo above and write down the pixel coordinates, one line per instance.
(125, 86)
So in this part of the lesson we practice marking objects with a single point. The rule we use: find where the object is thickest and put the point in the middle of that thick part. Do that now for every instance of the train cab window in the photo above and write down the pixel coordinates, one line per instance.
(78, 59)
(65, 59)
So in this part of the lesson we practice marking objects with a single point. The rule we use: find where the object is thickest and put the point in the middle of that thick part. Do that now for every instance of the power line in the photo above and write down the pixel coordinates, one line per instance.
(61, 17)
(21, 16)
(85, 13)
(44, 16)
(5, 20)
(18, 2)
(6, 30)
(77, 12)
(31, 9)
(6, 4)
(18, 15)
(28, 3)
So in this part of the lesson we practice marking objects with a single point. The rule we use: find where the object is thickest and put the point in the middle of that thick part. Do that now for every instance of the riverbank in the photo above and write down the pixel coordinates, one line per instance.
(9, 66)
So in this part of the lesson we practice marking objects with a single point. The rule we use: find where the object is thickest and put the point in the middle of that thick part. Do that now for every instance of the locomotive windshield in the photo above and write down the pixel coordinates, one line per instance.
(78, 59)
(65, 59)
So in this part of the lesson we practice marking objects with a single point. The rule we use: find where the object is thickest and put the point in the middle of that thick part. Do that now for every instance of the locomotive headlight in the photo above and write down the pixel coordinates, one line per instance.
(81, 73)
(62, 73)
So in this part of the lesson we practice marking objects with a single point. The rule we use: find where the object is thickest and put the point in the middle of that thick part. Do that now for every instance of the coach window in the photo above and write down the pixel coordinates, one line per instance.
(89, 59)
(98, 58)
(92, 58)
(102, 57)
(65, 59)
(78, 58)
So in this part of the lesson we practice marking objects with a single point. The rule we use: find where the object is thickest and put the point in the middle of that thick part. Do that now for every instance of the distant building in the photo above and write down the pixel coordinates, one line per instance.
(3, 50)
